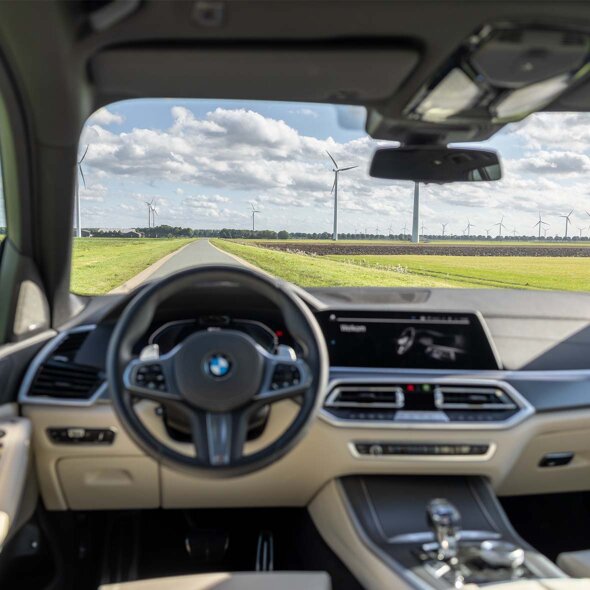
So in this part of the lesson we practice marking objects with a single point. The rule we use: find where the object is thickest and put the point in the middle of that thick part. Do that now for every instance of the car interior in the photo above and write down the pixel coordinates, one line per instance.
(220, 428)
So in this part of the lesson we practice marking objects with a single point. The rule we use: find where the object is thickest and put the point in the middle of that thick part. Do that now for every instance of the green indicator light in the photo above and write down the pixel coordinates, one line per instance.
(426, 387)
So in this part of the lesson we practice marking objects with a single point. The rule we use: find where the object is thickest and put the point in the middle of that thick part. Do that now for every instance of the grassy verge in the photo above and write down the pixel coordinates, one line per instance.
(101, 264)
(569, 274)
(311, 271)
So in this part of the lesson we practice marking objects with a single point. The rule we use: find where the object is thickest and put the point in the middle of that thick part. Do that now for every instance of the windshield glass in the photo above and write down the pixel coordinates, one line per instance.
(166, 184)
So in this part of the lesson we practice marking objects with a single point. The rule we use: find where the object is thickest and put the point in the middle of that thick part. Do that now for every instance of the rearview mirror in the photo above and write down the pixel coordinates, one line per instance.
(436, 164)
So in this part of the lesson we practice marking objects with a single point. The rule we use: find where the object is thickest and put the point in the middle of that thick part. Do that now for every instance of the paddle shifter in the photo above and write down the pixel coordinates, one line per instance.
(445, 520)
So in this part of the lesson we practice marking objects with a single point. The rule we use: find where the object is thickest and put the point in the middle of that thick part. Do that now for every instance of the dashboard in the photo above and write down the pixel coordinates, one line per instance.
(421, 382)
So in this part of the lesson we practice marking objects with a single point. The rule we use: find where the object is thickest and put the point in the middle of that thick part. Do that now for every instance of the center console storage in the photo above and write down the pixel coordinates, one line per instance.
(447, 532)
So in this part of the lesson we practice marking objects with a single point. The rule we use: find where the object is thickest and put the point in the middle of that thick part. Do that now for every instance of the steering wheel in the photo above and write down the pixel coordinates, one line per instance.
(217, 379)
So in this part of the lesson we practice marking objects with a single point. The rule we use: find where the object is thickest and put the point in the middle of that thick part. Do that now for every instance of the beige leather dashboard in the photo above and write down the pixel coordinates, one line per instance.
(121, 476)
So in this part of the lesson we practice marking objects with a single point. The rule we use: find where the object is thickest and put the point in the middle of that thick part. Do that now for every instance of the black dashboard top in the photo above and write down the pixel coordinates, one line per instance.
(530, 330)
(539, 341)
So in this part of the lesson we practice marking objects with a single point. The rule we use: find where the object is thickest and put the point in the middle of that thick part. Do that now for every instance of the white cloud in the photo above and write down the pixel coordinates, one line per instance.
(105, 117)
(206, 170)
(304, 112)
(93, 192)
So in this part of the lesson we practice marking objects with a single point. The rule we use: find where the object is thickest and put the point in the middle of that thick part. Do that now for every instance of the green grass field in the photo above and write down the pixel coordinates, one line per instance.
(315, 271)
(570, 274)
(101, 264)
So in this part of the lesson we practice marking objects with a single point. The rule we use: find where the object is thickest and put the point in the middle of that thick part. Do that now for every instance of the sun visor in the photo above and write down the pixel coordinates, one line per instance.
(303, 73)
(577, 99)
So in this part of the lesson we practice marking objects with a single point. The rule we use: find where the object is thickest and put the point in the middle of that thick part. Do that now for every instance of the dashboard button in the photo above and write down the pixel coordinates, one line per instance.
(376, 450)
(362, 448)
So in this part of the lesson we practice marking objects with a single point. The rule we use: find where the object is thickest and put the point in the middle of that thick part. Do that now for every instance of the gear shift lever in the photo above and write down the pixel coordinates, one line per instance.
(445, 521)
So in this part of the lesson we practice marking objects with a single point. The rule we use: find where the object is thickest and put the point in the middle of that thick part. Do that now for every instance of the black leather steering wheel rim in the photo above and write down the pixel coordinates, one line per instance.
(135, 321)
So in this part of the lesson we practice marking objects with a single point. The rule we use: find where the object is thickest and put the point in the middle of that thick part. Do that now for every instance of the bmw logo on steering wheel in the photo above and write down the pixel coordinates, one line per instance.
(218, 366)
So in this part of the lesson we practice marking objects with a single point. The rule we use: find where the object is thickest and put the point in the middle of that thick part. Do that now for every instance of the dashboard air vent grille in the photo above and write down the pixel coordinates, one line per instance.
(369, 396)
(66, 381)
(69, 346)
(59, 377)
(471, 398)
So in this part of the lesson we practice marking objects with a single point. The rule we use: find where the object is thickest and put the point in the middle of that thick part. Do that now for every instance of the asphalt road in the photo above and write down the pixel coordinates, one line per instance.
(196, 253)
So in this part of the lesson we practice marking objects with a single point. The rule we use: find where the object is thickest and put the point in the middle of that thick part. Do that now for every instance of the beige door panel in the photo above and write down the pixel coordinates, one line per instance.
(15, 450)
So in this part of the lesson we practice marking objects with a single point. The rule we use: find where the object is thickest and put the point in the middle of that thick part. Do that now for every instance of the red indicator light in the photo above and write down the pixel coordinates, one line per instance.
(279, 333)
(410, 388)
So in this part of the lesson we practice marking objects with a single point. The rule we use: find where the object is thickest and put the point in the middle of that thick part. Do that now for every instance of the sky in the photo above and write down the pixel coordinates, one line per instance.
(207, 162)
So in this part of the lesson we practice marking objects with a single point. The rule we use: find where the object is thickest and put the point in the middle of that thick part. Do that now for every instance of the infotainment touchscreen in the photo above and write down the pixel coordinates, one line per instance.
(407, 340)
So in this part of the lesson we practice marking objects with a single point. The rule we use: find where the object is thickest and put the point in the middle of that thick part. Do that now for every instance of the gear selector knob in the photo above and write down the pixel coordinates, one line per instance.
(445, 520)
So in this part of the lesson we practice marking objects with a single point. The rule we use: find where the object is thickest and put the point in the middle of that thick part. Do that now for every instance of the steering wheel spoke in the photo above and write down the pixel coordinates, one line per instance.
(285, 376)
(151, 379)
(219, 437)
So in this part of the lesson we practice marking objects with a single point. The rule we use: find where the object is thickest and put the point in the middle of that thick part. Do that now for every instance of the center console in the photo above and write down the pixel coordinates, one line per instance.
(442, 532)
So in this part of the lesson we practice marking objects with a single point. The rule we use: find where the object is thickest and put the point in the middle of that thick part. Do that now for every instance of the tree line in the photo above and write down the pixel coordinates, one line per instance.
(168, 231)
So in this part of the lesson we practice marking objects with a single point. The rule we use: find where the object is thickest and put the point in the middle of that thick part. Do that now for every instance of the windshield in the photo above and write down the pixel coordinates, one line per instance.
(166, 184)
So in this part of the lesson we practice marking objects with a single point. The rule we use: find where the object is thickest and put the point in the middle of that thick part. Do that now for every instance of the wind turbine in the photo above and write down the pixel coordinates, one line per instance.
(416, 214)
(77, 204)
(514, 232)
(423, 228)
(334, 190)
(468, 228)
(545, 230)
(540, 224)
(581, 229)
(149, 206)
(500, 226)
(154, 212)
(567, 221)
(405, 229)
(444, 227)
(254, 211)
(488, 232)
(390, 229)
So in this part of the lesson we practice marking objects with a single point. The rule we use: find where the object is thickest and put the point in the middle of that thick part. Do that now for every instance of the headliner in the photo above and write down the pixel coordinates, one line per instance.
(374, 52)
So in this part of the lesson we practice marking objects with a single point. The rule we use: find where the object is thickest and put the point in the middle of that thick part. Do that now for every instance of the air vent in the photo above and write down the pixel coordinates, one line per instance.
(57, 376)
(448, 397)
(366, 396)
(66, 381)
(69, 346)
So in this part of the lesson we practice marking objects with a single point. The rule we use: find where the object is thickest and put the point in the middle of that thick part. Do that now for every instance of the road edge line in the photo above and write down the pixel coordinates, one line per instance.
(140, 277)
